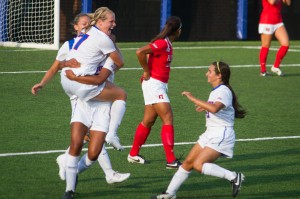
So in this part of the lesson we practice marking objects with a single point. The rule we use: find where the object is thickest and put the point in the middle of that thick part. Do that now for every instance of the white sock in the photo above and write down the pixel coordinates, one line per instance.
(84, 163)
(217, 171)
(105, 163)
(179, 177)
(117, 112)
(71, 172)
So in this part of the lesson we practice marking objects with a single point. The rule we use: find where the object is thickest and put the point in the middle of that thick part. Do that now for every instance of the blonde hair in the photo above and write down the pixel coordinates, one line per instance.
(100, 13)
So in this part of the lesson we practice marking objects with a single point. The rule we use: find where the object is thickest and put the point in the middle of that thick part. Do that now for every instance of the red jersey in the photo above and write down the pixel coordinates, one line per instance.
(271, 13)
(159, 61)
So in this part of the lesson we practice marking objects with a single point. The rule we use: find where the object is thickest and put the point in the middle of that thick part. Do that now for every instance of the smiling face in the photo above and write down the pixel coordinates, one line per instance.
(108, 24)
(83, 23)
(213, 78)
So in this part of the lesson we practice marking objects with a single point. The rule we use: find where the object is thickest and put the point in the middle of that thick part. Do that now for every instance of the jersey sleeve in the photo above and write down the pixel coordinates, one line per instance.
(107, 45)
(224, 96)
(63, 52)
(158, 46)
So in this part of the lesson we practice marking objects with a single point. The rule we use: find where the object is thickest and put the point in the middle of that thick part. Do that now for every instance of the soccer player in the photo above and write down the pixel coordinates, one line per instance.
(218, 139)
(270, 24)
(155, 60)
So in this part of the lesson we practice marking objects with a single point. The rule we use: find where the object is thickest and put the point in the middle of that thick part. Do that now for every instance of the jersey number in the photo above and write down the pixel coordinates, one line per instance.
(81, 40)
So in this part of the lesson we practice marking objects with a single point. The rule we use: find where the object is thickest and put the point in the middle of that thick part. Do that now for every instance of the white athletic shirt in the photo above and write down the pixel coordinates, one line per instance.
(90, 50)
(224, 117)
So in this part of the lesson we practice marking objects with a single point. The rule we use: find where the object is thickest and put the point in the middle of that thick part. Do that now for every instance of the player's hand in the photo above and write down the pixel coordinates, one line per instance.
(72, 63)
(35, 89)
(146, 76)
(186, 93)
(199, 108)
(70, 74)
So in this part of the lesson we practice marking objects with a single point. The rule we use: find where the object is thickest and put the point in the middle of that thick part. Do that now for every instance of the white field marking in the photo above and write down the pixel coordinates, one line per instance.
(147, 145)
(173, 68)
(182, 48)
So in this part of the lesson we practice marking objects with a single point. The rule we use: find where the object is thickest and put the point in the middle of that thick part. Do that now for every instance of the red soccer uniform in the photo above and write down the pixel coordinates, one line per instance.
(271, 13)
(159, 61)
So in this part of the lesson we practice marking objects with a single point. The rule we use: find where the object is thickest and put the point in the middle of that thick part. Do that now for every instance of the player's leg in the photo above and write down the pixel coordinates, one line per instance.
(141, 134)
(264, 51)
(283, 38)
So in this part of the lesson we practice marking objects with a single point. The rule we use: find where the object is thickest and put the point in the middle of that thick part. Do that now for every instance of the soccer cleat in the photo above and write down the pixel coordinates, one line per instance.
(136, 159)
(68, 195)
(237, 183)
(115, 142)
(61, 161)
(173, 165)
(277, 71)
(265, 74)
(117, 177)
(165, 195)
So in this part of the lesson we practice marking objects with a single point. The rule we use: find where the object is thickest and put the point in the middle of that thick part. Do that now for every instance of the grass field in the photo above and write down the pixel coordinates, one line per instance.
(35, 129)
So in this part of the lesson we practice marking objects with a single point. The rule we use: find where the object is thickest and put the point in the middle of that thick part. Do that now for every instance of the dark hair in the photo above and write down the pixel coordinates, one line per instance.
(223, 68)
(172, 25)
(76, 20)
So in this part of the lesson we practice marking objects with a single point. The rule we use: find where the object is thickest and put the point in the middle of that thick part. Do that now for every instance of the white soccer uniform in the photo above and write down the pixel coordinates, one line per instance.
(89, 50)
(219, 134)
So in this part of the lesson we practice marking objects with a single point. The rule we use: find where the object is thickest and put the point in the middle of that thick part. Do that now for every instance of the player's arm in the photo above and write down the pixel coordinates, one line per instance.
(47, 77)
(213, 108)
(92, 79)
(142, 55)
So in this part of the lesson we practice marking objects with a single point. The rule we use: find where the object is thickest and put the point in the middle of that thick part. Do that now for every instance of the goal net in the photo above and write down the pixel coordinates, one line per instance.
(29, 23)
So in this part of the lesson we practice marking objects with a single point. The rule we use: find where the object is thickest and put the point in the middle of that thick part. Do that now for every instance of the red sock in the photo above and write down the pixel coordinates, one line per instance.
(263, 59)
(140, 137)
(167, 137)
(280, 55)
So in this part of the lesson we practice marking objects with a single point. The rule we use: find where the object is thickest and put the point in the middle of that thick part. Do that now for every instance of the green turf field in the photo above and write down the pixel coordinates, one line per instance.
(35, 129)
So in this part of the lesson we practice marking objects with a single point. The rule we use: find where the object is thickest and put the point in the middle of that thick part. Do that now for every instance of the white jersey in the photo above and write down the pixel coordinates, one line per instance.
(90, 50)
(224, 117)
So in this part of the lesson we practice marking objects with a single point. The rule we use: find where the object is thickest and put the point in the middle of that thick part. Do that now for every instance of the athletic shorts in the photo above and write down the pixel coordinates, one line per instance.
(155, 91)
(93, 114)
(268, 29)
(220, 139)
(84, 92)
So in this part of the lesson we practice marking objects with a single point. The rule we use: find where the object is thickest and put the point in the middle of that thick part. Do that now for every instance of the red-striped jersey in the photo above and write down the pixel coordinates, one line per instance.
(159, 61)
(271, 13)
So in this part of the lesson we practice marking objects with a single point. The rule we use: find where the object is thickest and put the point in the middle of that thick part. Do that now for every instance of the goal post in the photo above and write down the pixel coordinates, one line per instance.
(30, 23)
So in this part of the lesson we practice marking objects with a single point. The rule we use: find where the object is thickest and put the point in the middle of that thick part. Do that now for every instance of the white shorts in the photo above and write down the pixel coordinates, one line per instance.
(268, 29)
(93, 114)
(155, 91)
(221, 139)
(85, 92)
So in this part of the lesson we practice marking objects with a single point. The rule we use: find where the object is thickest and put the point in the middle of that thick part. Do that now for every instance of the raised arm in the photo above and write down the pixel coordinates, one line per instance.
(213, 108)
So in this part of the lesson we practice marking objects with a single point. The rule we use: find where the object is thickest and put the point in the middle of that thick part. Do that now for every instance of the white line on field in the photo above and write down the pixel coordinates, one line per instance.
(147, 145)
(173, 68)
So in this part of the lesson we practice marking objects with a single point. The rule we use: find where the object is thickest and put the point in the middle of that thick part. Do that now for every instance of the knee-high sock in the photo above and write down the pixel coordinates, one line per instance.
(179, 177)
(263, 59)
(117, 112)
(140, 137)
(105, 163)
(167, 137)
(217, 171)
(280, 55)
(84, 163)
(71, 172)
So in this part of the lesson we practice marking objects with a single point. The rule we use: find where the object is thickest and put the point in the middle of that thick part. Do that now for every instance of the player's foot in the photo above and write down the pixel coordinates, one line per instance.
(115, 142)
(117, 177)
(136, 159)
(61, 161)
(237, 183)
(173, 165)
(165, 195)
(265, 74)
(277, 71)
(68, 195)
